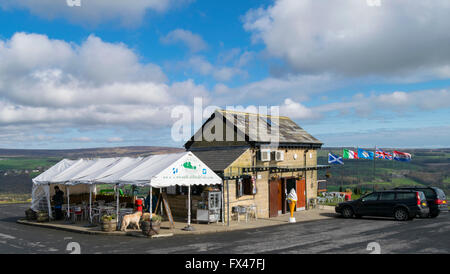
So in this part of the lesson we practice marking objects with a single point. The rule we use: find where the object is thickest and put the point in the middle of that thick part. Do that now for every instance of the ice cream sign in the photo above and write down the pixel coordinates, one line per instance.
(188, 165)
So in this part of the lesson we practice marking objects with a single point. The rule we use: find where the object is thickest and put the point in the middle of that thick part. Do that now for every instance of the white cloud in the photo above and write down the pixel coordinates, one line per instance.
(194, 42)
(272, 89)
(398, 101)
(48, 85)
(296, 110)
(410, 137)
(129, 12)
(399, 39)
(82, 139)
(115, 140)
(200, 65)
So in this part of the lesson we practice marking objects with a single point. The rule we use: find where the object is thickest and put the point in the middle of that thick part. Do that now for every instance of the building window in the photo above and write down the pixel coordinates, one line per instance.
(244, 186)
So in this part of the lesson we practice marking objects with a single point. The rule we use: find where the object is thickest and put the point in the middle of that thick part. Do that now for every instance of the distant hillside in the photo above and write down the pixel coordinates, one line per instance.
(18, 167)
(89, 152)
(429, 167)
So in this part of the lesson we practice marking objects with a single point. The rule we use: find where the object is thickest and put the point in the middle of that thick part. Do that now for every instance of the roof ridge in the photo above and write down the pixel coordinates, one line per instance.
(254, 114)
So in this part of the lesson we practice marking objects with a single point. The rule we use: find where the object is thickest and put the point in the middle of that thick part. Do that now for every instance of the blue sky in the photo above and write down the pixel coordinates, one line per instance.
(110, 73)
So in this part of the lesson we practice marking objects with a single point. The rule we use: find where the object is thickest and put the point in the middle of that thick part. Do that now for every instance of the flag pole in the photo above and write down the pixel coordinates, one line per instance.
(357, 167)
(374, 166)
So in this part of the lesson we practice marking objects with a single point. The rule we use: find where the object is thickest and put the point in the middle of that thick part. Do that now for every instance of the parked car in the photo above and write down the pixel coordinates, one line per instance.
(436, 199)
(401, 204)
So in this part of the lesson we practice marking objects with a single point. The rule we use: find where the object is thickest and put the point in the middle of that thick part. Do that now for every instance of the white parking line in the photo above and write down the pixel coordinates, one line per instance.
(6, 236)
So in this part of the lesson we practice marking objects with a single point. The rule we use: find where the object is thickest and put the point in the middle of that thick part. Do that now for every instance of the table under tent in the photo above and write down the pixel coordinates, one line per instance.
(156, 171)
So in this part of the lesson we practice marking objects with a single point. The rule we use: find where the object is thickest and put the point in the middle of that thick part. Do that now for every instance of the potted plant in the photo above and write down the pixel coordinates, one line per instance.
(151, 227)
(30, 214)
(109, 223)
(42, 217)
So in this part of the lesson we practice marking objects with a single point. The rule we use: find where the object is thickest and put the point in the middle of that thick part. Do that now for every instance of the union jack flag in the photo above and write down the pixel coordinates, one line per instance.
(380, 154)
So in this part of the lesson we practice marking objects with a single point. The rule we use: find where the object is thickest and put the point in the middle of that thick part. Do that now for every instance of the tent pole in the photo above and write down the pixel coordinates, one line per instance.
(228, 203)
(68, 204)
(68, 201)
(117, 204)
(90, 203)
(151, 203)
(189, 206)
(48, 203)
(91, 223)
(223, 204)
(161, 207)
(189, 227)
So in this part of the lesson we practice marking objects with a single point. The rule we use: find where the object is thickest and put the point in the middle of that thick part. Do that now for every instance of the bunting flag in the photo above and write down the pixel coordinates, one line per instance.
(363, 154)
(350, 154)
(335, 159)
(380, 154)
(402, 156)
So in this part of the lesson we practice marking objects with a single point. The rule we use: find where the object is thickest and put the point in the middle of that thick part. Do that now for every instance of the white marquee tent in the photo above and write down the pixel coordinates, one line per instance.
(183, 169)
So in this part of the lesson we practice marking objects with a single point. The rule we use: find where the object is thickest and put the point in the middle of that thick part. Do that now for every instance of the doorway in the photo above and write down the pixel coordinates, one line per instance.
(276, 193)
(301, 195)
(291, 183)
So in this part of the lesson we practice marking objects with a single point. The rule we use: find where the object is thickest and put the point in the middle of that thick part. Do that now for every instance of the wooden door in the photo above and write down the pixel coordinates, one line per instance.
(275, 202)
(301, 194)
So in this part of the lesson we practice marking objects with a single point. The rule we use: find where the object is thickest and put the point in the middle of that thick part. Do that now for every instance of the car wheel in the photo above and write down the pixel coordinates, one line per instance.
(347, 212)
(401, 214)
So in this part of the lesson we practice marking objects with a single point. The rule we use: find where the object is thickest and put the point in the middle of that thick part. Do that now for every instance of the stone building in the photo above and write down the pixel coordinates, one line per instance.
(261, 158)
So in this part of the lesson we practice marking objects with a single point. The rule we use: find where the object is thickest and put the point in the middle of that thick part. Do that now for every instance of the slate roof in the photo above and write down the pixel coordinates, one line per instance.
(248, 123)
(218, 159)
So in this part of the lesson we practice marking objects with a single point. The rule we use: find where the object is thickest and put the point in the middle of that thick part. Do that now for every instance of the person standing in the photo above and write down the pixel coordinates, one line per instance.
(58, 200)
(147, 202)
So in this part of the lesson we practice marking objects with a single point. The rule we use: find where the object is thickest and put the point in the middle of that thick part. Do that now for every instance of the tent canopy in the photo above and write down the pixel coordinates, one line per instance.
(165, 170)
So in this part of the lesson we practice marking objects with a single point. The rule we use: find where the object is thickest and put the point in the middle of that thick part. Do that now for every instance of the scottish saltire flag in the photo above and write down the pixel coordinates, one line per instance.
(350, 154)
(335, 159)
(381, 154)
(402, 156)
(363, 154)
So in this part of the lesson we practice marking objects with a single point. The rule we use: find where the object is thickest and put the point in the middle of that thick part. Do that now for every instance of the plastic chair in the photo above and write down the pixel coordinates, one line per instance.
(77, 213)
(252, 211)
(313, 202)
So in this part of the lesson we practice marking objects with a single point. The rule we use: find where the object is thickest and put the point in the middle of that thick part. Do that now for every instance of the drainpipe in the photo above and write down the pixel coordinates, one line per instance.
(306, 182)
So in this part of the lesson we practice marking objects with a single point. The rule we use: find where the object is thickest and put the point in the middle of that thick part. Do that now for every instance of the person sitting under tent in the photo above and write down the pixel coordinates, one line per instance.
(147, 202)
(58, 199)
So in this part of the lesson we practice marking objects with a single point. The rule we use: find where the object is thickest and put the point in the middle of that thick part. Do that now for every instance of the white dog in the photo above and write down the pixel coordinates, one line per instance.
(131, 219)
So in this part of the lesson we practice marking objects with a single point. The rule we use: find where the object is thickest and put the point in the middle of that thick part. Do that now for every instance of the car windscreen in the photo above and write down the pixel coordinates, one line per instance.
(422, 196)
(429, 193)
(440, 193)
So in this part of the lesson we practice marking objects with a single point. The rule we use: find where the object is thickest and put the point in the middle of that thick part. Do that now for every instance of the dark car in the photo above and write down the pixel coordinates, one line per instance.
(436, 199)
(401, 204)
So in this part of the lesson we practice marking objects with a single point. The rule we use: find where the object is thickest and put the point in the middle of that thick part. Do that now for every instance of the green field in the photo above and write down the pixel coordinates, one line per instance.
(428, 168)
(7, 164)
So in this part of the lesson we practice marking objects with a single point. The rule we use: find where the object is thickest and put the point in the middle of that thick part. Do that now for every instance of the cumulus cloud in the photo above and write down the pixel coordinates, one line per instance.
(295, 110)
(410, 137)
(296, 87)
(348, 37)
(221, 73)
(194, 42)
(394, 102)
(82, 139)
(128, 12)
(115, 140)
(48, 84)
